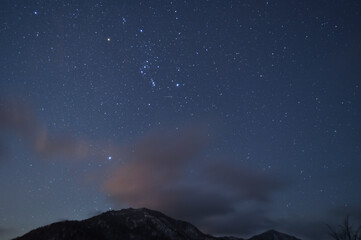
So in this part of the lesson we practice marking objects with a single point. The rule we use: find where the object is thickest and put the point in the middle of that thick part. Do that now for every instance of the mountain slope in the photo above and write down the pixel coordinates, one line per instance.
(133, 224)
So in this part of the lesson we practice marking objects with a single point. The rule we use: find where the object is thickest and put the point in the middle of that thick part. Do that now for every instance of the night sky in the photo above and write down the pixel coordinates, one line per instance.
(237, 116)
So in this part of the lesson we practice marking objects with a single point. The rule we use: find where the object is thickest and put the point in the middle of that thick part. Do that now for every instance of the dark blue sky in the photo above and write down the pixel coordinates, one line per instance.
(238, 116)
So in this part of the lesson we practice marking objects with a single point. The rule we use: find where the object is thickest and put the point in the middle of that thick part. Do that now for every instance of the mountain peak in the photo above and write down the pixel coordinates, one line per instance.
(133, 211)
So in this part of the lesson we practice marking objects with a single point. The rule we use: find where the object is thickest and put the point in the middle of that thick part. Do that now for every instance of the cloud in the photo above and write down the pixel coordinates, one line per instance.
(315, 227)
(341, 212)
(154, 165)
(165, 171)
(305, 228)
(16, 117)
(242, 222)
(19, 118)
(245, 183)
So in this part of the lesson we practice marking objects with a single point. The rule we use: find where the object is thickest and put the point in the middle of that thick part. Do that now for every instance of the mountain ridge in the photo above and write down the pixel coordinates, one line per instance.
(133, 224)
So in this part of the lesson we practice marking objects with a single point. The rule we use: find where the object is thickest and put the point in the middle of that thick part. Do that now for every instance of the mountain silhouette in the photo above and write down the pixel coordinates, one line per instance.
(135, 224)
(273, 235)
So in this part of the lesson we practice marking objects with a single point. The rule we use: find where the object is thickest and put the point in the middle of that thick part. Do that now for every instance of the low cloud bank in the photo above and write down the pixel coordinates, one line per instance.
(165, 171)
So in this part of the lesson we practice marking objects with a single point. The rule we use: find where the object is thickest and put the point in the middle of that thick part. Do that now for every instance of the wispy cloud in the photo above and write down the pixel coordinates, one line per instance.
(20, 119)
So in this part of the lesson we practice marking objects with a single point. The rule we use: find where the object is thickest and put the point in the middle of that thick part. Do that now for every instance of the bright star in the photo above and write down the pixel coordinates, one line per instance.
(108, 39)
(110, 158)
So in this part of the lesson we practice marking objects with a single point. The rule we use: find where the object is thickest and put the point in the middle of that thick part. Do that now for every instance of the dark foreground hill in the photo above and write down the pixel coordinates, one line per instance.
(135, 224)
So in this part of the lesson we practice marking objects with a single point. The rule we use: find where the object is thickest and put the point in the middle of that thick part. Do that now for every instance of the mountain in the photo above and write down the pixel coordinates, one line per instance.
(273, 235)
(135, 224)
